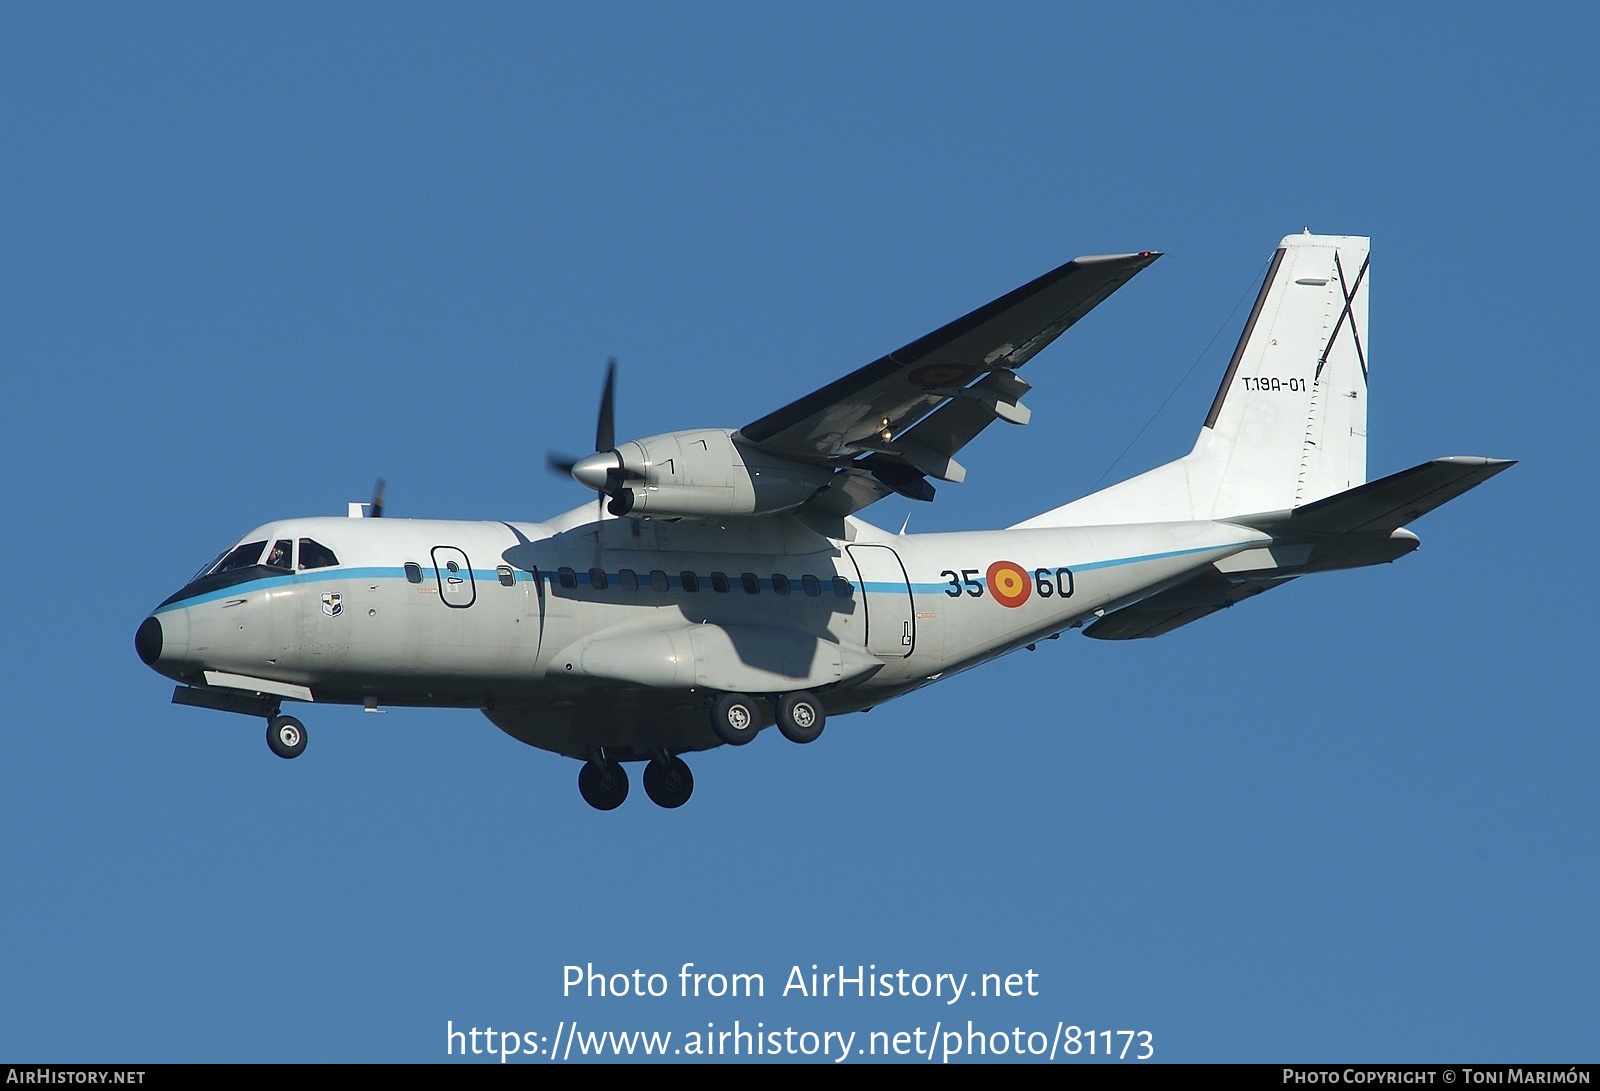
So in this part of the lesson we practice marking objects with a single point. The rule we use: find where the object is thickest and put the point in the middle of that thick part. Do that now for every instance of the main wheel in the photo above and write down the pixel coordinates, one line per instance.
(603, 784)
(800, 717)
(286, 736)
(734, 718)
(669, 783)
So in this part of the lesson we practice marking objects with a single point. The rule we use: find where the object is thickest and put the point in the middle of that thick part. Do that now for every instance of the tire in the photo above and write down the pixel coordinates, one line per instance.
(801, 717)
(603, 784)
(286, 736)
(668, 784)
(735, 719)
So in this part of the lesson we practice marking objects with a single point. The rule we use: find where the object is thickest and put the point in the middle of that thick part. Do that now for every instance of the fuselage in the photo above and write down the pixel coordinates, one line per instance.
(579, 633)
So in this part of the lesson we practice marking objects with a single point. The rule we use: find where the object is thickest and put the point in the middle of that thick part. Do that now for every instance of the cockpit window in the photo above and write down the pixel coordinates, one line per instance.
(281, 555)
(243, 556)
(315, 555)
(208, 566)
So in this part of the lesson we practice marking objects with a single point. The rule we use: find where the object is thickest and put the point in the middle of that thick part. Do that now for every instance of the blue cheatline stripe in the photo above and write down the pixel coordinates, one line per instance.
(1086, 566)
(552, 576)
(319, 575)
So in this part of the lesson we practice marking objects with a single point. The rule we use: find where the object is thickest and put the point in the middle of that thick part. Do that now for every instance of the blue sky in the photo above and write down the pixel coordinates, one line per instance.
(253, 260)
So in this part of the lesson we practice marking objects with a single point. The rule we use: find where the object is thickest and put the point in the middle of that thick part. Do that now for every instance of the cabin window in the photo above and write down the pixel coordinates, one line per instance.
(752, 583)
(315, 555)
(629, 579)
(719, 582)
(841, 587)
(811, 586)
(281, 555)
(659, 581)
(245, 556)
(597, 579)
(508, 578)
(413, 572)
(780, 584)
(568, 578)
(691, 582)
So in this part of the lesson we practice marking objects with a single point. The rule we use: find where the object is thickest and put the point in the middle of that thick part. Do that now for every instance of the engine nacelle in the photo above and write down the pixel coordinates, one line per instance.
(704, 472)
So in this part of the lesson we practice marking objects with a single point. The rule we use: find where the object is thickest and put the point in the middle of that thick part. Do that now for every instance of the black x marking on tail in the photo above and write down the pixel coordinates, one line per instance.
(1349, 293)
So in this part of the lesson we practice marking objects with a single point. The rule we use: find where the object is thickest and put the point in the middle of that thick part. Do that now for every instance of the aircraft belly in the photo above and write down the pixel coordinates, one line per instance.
(628, 722)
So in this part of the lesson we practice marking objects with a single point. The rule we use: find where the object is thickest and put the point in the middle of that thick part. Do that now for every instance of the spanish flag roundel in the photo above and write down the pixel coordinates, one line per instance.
(1008, 583)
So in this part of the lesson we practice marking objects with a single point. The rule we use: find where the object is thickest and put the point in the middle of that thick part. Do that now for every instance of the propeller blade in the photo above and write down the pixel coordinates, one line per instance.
(605, 431)
(560, 464)
(377, 499)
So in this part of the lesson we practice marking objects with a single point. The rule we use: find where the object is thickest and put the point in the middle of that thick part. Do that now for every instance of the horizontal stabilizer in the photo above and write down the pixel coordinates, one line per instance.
(1383, 505)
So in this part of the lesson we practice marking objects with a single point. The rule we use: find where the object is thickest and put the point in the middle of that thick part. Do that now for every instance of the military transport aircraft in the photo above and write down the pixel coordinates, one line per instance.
(722, 582)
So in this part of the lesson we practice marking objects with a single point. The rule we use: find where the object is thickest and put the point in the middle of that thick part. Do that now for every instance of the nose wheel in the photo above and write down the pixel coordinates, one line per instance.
(286, 736)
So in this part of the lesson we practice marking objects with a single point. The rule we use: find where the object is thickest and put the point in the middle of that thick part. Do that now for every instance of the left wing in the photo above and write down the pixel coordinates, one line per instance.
(902, 418)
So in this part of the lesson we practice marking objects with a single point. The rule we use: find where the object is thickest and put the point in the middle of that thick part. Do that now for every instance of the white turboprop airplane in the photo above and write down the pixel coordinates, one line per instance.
(727, 585)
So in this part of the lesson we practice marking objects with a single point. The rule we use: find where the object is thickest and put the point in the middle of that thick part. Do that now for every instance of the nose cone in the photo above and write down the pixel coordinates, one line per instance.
(147, 641)
(591, 469)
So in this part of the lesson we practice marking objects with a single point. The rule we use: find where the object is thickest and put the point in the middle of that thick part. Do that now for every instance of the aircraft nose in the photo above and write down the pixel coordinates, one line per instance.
(147, 641)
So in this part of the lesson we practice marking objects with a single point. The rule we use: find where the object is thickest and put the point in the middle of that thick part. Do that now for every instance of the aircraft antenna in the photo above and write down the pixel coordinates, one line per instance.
(1253, 282)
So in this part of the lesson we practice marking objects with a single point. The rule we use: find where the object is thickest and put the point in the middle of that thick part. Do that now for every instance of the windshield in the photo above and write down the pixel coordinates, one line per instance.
(208, 566)
(243, 556)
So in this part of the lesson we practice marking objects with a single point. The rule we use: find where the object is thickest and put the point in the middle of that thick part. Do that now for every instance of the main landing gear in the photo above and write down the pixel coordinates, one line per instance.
(667, 780)
(603, 782)
(735, 721)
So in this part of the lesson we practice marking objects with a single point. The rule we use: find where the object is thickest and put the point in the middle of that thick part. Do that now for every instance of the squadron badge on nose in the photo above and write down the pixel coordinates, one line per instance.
(331, 604)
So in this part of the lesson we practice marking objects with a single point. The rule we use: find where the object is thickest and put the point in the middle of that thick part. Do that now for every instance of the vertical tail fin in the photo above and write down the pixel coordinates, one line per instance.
(1289, 423)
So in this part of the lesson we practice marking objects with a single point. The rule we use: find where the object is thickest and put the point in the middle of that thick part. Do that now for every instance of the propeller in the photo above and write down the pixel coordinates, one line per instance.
(377, 499)
(602, 471)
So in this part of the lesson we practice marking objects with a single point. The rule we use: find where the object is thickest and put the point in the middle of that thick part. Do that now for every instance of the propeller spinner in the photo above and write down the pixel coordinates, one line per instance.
(602, 471)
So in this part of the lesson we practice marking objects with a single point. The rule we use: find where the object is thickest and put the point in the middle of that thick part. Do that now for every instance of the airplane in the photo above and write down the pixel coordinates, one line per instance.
(722, 582)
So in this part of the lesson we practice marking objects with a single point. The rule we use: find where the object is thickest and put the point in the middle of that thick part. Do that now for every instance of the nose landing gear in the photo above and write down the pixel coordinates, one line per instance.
(286, 736)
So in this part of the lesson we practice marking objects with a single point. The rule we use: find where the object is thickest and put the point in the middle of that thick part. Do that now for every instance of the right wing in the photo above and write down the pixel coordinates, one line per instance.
(903, 417)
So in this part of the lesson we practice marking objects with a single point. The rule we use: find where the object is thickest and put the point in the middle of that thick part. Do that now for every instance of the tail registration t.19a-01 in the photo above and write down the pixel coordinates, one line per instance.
(723, 582)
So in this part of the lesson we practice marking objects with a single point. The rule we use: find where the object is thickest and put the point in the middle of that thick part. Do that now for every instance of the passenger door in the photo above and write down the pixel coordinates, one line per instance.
(456, 586)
